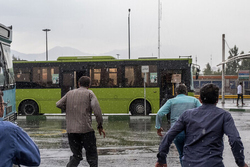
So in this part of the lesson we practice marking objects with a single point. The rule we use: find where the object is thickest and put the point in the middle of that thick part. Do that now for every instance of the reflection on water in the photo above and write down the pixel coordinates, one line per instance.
(51, 133)
(132, 141)
(46, 133)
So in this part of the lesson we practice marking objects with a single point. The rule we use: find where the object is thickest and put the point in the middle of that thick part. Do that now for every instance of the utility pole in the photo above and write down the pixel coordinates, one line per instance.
(46, 30)
(129, 33)
(159, 26)
(223, 70)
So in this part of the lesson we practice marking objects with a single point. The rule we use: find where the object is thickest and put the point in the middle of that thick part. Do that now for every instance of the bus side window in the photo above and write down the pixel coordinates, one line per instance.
(95, 76)
(129, 76)
(22, 77)
(112, 82)
(126, 82)
(44, 76)
(104, 77)
(94, 82)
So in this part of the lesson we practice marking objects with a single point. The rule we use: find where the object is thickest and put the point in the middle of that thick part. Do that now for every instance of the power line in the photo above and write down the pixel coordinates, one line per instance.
(229, 48)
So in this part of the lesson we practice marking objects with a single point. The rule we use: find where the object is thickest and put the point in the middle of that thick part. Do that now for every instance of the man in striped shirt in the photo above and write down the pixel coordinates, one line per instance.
(79, 104)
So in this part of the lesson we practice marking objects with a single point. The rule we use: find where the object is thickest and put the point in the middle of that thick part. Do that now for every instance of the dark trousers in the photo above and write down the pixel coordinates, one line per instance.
(78, 141)
(240, 96)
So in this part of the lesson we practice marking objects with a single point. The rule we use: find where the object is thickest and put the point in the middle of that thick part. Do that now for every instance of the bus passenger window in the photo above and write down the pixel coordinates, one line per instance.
(112, 77)
(111, 82)
(94, 82)
(22, 75)
(126, 82)
(95, 76)
(129, 75)
(53, 77)
(152, 76)
(46, 76)
(103, 77)
(135, 78)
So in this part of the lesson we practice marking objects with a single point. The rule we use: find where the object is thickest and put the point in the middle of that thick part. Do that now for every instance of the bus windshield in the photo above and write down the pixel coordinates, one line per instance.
(8, 78)
(2, 77)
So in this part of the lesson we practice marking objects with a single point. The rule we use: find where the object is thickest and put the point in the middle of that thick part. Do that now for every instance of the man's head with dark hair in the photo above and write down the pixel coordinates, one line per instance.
(84, 81)
(181, 89)
(209, 94)
(240, 83)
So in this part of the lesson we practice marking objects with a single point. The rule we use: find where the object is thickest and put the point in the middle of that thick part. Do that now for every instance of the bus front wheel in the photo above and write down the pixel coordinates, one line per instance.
(29, 108)
(137, 108)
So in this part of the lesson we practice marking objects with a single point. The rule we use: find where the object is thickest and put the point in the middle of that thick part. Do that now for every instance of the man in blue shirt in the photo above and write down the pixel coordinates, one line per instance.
(204, 128)
(176, 107)
(16, 147)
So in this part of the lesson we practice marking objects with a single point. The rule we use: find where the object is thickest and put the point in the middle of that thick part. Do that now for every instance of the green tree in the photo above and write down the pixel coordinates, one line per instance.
(208, 70)
(218, 72)
(233, 66)
(14, 58)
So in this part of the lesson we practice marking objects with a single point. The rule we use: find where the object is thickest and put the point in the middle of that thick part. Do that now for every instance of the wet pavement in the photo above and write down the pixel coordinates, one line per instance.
(130, 141)
(231, 105)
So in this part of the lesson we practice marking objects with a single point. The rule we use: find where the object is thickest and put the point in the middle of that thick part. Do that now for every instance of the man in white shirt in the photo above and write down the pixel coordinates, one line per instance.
(240, 93)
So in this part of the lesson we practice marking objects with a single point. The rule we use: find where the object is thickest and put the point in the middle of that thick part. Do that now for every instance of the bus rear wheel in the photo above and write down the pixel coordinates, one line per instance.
(137, 108)
(29, 108)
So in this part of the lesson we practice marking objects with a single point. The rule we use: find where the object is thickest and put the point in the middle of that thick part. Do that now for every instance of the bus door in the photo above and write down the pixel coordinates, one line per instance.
(78, 75)
(67, 82)
(169, 78)
(165, 86)
(70, 80)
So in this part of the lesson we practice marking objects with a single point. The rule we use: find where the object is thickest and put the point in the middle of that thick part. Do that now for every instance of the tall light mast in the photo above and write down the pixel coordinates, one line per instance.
(159, 27)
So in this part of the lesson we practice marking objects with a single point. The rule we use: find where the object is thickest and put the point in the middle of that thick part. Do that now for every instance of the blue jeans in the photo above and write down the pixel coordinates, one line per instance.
(179, 143)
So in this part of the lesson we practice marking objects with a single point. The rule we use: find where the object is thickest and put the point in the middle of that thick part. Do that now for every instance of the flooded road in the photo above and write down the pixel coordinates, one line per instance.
(130, 141)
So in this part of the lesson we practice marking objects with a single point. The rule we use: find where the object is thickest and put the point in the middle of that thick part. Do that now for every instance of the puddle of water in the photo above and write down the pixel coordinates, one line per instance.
(127, 143)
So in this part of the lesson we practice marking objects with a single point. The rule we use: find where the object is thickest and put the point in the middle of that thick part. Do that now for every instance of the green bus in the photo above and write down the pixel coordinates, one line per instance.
(119, 84)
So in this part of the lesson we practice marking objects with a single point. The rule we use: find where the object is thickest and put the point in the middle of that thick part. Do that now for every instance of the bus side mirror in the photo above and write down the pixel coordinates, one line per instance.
(197, 73)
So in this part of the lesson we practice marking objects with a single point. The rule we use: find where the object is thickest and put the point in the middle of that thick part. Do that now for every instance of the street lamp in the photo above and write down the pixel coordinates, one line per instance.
(129, 33)
(46, 30)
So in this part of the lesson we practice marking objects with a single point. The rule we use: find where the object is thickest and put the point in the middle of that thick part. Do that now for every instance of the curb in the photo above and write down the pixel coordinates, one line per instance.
(115, 117)
(237, 109)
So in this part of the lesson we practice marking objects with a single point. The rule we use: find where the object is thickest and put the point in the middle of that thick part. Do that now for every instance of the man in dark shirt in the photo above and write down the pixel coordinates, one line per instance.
(204, 128)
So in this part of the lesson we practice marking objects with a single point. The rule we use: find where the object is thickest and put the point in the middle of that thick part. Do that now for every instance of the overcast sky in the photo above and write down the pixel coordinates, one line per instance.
(188, 27)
